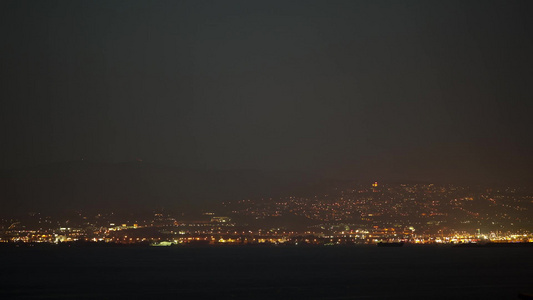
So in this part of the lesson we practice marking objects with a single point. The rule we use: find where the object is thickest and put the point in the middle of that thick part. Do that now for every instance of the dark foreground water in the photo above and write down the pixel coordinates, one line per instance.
(266, 273)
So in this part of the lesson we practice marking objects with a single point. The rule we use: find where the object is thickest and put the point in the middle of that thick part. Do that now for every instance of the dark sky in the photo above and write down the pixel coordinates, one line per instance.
(388, 89)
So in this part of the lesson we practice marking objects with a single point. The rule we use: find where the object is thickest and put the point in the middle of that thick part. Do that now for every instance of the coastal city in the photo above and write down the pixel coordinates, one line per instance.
(302, 149)
(349, 214)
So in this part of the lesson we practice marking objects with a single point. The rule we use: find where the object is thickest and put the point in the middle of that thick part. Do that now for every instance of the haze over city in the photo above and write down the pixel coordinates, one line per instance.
(420, 90)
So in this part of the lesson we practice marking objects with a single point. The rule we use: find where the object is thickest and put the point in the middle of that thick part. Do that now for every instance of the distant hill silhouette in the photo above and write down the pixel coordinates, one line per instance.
(136, 186)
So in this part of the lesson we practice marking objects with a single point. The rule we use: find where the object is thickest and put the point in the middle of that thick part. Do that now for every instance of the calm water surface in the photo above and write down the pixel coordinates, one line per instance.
(266, 273)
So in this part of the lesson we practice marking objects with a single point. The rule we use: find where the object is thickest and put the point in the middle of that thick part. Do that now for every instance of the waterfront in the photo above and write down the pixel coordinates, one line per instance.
(359, 272)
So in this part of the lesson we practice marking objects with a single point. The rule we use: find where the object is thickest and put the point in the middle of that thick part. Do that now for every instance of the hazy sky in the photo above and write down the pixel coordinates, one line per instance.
(393, 89)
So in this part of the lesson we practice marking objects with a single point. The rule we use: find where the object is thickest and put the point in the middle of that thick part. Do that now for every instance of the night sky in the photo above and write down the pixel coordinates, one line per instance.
(378, 89)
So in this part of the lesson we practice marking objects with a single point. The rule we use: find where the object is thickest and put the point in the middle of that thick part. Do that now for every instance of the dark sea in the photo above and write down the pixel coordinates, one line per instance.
(255, 272)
